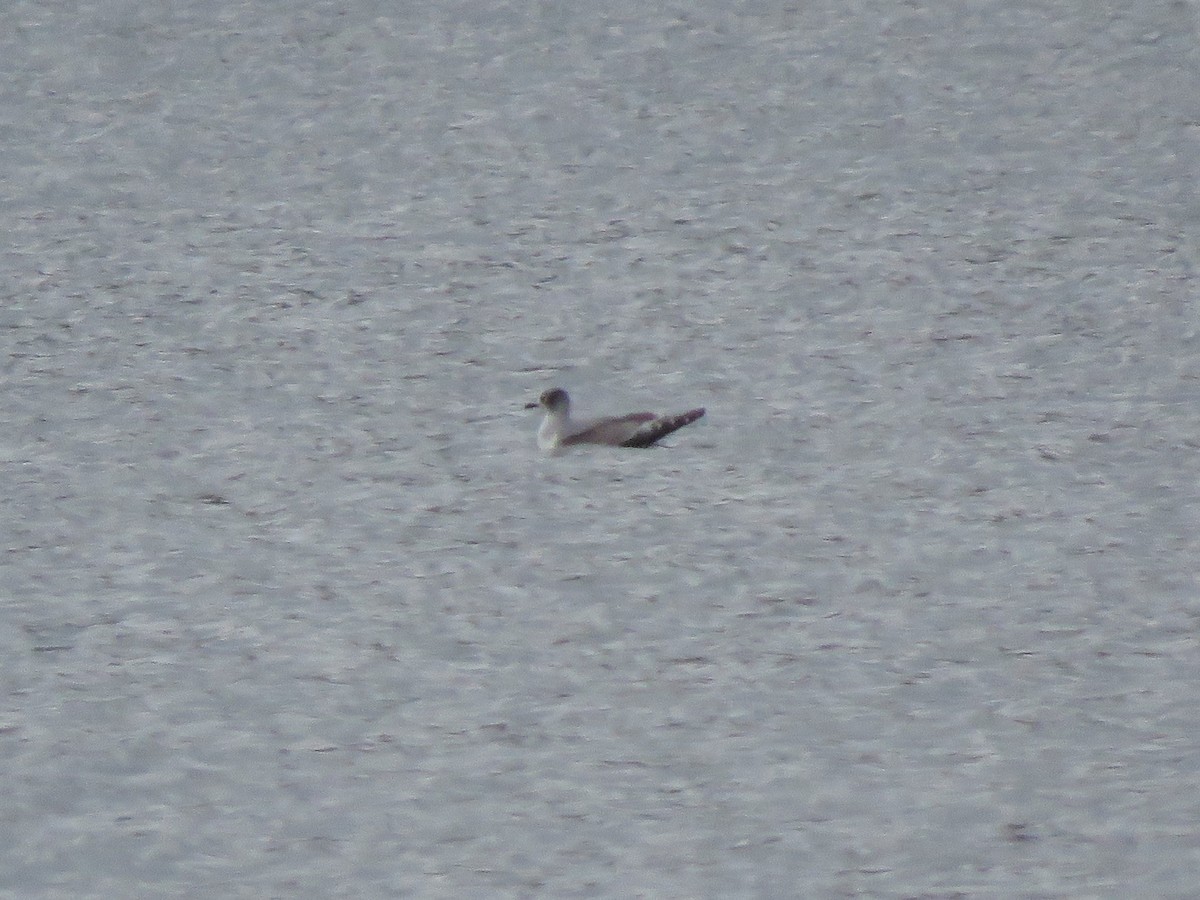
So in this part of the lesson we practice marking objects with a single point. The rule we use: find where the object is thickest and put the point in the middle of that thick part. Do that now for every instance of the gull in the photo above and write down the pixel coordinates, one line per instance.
(634, 430)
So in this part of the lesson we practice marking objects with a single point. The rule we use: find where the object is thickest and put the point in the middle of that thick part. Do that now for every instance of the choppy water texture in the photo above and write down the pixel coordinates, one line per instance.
(293, 607)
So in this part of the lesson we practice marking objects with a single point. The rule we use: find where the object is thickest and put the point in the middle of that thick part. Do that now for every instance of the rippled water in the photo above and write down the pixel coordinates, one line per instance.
(292, 606)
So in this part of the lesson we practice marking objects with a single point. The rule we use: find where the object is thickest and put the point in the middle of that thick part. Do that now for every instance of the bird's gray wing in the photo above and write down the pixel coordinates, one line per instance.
(612, 431)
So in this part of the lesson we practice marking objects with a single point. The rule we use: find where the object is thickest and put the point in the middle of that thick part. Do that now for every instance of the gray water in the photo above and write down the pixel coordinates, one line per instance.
(293, 607)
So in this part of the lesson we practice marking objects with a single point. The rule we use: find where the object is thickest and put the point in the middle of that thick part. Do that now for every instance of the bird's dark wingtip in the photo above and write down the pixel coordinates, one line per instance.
(660, 428)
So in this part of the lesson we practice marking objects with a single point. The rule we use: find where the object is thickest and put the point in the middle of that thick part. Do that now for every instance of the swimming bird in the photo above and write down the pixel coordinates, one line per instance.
(633, 430)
